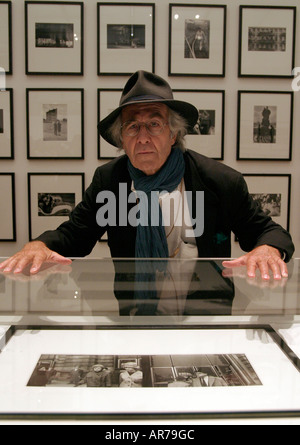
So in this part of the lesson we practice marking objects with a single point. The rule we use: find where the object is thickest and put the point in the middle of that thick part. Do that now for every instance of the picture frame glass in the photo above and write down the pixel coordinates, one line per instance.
(265, 125)
(197, 45)
(55, 124)
(125, 38)
(267, 41)
(52, 197)
(54, 38)
(7, 207)
(108, 101)
(6, 125)
(272, 192)
(5, 61)
(170, 354)
(207, 137)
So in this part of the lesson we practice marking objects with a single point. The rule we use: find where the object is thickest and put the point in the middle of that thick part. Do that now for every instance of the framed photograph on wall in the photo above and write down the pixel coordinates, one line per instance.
(207, 137)
(273, 193)
(267, 41)
(5, 38)
(126, 38)
(265, 125)
(7, 207)
(51, 199)
(197, 40)
(54, 37)
(6, 124)
(108, 100)
(55, 128)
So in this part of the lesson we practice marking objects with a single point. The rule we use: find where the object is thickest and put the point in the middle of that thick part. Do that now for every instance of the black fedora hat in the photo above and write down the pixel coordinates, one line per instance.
(145, 87)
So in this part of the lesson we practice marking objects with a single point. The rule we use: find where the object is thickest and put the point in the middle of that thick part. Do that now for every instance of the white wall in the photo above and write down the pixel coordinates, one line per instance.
(91, 81)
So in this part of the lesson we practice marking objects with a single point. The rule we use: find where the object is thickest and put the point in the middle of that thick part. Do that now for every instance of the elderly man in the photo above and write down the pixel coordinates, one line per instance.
(150, 126)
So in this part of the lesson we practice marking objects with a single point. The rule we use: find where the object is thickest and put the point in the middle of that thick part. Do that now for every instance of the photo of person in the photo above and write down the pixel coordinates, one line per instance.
(197, 33)
(126, 36)
(266, 39)
(265, 123)
(54, 204)
(55, 122)
(206, 123)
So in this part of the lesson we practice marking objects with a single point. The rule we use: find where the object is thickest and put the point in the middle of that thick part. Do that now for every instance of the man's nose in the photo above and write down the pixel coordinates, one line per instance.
(143, 135)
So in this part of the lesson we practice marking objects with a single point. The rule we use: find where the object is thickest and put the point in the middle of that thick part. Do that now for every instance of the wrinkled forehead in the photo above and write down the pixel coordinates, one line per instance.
(143, 111)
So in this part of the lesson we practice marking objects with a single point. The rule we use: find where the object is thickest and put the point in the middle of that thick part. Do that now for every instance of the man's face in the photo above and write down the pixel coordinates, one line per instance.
(146, 152)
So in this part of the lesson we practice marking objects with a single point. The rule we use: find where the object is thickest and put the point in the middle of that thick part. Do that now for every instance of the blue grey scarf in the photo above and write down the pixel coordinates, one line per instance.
(151, 241)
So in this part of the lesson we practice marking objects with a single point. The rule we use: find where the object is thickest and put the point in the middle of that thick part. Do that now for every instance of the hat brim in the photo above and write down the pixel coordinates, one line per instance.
(187, 111)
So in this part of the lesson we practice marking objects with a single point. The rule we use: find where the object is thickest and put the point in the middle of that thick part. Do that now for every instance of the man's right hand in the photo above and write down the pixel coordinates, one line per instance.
(35, 253)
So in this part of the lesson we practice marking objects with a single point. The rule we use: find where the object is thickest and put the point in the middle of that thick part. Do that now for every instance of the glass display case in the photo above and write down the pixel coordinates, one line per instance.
(149, 339)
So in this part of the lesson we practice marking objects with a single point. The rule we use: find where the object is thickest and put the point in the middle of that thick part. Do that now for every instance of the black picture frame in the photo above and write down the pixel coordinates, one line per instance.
(6, 60)
(63, 194)
(210, 58)
(7, 124)
(273, 192)
(8, 203)
(208, 138)
(268, 50)
(107, 99)
(60, 134)
(265, 125)
(130, 54)
(54, 55)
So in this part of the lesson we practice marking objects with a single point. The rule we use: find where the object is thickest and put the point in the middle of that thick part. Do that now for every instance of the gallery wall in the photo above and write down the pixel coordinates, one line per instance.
(90, 82)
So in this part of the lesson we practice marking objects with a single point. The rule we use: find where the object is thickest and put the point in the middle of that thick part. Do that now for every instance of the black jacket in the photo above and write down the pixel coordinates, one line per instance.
(228, 208)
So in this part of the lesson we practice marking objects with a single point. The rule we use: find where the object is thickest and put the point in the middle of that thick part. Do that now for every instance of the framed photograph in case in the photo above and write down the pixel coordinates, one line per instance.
(126, 38)
(54, 37)
(207, 137)
(5, 38)
(219, 371)
(108, 101)
(197, 40)
(51, 199)
(265, 125)
(55, 127)
(6, 124)
(273, 193)
(7, 207)
(267, 41)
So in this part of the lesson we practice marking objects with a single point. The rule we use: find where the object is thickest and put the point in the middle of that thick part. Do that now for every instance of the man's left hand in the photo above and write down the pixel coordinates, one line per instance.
(266, 259)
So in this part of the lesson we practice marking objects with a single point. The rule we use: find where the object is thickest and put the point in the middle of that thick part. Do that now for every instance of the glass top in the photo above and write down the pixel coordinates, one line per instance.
(146, 292)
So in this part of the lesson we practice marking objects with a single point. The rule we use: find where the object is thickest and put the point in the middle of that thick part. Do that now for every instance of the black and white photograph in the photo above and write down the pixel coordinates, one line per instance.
(197, 33)
(55, 204)
(207, 137)
(126, 38)
(272, 192)
(265, 125)
(55, 123)
(265, 122)
(54, 38)
(267, 41)
(7, 207)
(145, 371)
(197, 40)
(51, 199)
(6, 36)
(54, 35)
(117, 371)
(6, 124)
